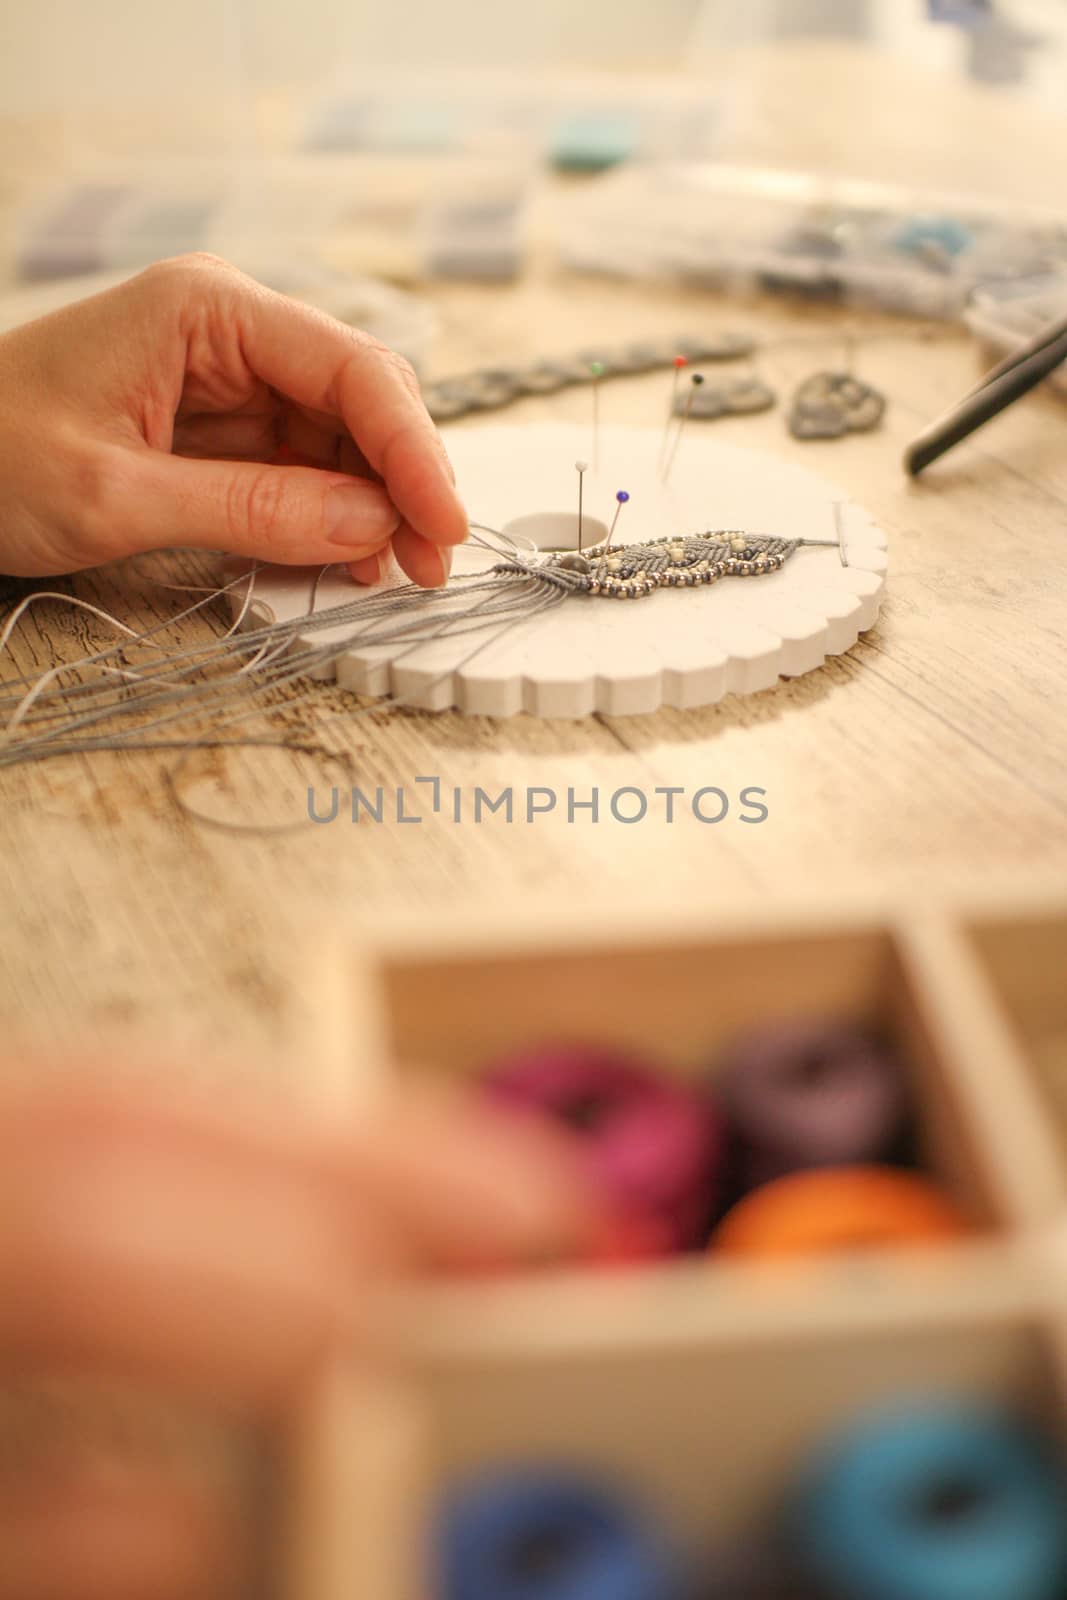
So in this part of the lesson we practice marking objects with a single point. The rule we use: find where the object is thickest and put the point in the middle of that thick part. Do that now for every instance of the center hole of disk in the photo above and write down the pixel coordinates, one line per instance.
(556, 530)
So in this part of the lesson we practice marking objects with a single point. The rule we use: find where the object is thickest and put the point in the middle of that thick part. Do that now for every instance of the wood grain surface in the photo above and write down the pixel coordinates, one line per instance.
(931, 756)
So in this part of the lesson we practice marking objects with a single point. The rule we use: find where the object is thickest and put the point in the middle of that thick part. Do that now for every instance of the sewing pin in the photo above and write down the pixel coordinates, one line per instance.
(596, 368)
(839, 525)
(621, 499)
(680, 363)
(695, 383)
(581, 468)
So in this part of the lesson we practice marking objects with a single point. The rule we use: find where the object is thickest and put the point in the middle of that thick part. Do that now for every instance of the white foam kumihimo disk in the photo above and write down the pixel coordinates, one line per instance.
(680, 647)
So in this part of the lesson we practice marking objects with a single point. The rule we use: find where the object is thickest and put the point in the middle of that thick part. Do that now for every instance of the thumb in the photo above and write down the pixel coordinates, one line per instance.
(293, 515)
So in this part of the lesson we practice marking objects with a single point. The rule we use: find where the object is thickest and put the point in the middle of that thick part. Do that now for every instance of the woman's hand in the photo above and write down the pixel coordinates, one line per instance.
(192, 406)
(224, 1258)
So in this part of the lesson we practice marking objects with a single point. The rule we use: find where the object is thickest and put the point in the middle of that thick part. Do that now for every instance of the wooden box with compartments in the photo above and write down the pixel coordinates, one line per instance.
(695, 1385)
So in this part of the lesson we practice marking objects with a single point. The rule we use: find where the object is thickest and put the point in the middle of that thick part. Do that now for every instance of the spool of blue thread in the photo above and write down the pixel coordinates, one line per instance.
(547, 1536)
(936, 1503)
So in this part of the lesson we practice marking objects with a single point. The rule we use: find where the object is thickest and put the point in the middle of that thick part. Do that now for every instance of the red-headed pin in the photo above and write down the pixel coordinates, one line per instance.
(680, 363)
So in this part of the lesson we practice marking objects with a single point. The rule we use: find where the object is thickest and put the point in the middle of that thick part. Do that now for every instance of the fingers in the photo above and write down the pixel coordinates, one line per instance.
(425, 563)
(234, 437)
(316, 445)
(371, 569)
(467, 1183)
(326, 366)
(159, 1241)
(350, 402)
(288, 514)
(149, 1254)
(164, 1243)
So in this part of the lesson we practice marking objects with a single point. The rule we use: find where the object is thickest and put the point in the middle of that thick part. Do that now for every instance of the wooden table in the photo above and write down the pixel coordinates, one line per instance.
(928, 758)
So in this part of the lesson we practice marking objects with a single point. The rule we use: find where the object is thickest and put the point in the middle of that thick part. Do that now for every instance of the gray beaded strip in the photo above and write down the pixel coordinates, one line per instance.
(491, 388)
(682, 562)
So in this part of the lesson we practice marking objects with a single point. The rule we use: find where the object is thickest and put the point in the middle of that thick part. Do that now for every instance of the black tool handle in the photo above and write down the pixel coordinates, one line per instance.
(1005, 384)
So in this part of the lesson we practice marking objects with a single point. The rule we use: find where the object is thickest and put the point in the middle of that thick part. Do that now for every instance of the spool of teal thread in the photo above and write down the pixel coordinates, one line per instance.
(935, 1502)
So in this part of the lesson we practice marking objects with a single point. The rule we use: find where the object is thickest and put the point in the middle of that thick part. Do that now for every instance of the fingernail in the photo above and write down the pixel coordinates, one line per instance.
(460, 529)
(369, 570)
(449, 468)
(444, 558)
(459, 523)
(359, 515)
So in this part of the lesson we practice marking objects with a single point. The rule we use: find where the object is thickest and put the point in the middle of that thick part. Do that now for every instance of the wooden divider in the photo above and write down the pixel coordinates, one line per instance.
(696, 1383)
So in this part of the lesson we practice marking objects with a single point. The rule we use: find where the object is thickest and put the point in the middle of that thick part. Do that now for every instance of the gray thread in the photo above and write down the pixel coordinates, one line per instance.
(268, 663)
(380, 619)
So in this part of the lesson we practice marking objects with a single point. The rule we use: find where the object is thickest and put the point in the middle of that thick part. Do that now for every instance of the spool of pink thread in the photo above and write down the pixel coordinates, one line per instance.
(655, 1148)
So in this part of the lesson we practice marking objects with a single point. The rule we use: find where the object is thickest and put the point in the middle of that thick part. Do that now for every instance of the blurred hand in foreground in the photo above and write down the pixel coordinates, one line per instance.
(221, 1258)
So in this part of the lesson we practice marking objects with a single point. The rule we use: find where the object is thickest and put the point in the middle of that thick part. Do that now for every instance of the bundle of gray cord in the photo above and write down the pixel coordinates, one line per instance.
(103, 701)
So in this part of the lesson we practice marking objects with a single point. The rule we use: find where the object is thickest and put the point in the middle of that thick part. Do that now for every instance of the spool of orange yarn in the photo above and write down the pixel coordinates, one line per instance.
(838, 1208)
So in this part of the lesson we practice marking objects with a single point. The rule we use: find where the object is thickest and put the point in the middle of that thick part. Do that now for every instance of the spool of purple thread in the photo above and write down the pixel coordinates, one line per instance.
(810, 1093)
(655, 1148)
